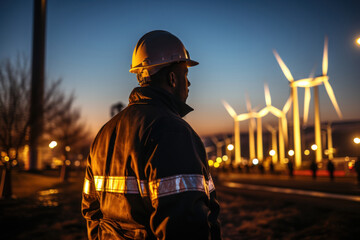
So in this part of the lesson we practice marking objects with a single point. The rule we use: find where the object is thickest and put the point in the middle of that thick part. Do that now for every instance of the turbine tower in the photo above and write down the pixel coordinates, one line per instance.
(219, 145)
(273, 131)
(315, 83)
(237, 119)
(281, 115)
(251, 129)
(296, 118)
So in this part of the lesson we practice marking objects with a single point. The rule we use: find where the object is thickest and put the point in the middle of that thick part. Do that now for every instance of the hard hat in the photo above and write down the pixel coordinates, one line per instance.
(156, 50)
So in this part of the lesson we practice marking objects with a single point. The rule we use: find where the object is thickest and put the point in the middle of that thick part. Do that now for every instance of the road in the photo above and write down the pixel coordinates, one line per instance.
(278, 207)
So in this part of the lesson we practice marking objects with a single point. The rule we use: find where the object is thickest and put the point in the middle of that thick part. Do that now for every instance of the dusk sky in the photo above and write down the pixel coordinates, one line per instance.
(89, 45)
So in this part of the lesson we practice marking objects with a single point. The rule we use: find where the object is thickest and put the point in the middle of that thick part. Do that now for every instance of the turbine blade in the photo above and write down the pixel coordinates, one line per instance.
(243, 116)
(305, 82)
(325, 57)
(229, 109)
(267, 95)
(307, 98)
(312, 73)
(283, 67)
(287, 105)
(263, 112)
(331, 94)
(248, 103)
(270, 128)
(256, 108)
(278, 113)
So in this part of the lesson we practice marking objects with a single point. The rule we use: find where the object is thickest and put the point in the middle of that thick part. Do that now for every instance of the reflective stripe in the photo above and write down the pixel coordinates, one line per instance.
(157, 188)
(177, 184)
(87, 189)
(211, 184)
(120, 184)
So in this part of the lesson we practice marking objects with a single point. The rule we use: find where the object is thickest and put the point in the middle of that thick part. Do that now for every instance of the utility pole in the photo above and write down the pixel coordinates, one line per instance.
(37, 82)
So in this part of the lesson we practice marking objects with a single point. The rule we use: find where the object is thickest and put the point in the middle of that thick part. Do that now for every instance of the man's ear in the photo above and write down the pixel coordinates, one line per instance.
(172, 79)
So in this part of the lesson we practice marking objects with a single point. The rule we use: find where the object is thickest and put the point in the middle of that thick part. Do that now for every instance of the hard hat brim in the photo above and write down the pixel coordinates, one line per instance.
(189, 63)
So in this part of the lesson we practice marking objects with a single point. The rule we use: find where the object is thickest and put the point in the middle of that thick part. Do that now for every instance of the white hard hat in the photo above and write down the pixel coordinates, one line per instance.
(156, 50)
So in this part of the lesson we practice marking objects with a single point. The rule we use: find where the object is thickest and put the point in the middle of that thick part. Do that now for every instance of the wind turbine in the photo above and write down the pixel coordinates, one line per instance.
(281, 115)
(237, 119)
(296, 118)
(219, 145)
(315, 83)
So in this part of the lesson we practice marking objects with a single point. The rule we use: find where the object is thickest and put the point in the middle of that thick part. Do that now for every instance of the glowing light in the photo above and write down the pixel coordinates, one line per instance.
(358, 41)
(3, 154)
(357, 140)
(255, 161)
(216, 165)
(314, 147)
(272, 152)
(77, 163)
(67, 148)
(67, 162)
(230, 147)
(211, 163)
(218, 160)
(291, 152)
(326, 152)
(14, 162)
(350, 165)
(225, 158)
(48, 192)
(6, 158)
(53, 144)
(307, 152)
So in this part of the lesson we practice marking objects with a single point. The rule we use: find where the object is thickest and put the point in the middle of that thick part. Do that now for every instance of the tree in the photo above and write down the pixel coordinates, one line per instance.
(61, 119)
(14, 108)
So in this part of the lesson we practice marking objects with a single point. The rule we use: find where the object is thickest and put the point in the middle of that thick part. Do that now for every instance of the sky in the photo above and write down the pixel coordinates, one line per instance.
(89, 45)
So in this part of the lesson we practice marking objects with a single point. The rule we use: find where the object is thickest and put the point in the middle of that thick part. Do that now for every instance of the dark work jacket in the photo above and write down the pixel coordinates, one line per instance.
(147, 175)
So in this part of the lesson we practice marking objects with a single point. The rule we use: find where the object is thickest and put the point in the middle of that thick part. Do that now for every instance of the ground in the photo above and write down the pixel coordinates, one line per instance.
(47, 209)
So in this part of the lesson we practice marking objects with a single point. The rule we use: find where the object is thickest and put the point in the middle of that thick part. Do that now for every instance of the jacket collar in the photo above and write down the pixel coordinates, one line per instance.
(148, 95)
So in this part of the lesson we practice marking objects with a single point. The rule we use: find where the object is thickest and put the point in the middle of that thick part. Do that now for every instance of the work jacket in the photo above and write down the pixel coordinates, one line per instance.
(147, 175)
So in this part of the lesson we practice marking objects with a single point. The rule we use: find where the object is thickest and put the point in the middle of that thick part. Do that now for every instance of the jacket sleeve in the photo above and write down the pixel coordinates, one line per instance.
(90, 206)
(179, 183)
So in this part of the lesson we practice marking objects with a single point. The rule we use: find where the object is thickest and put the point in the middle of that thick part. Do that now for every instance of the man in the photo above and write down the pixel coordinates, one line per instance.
(147, 175)
(314, 168)
(331, 168)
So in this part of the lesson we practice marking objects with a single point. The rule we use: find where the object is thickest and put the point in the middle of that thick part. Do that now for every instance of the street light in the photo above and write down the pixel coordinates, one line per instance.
(52, 144)
(272, 152)
(314, 147)
(230, 147)
(210, 162)
(291, 153)
(357, 141)
(358, 41)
